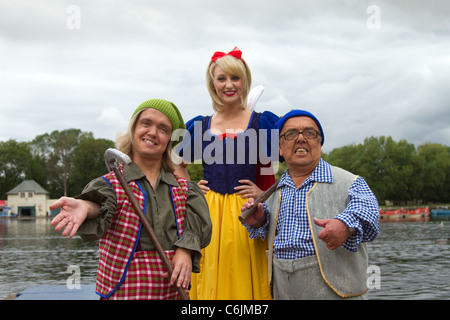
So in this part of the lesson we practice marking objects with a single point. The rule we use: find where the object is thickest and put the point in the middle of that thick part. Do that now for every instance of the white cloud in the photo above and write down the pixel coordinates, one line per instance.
(111, 116)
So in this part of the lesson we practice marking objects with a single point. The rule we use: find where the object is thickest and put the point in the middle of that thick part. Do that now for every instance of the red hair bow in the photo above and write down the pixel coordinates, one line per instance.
(235, 53)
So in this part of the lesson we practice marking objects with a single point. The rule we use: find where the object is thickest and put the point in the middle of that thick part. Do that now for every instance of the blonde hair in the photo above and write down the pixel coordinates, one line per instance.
(235, 67)
(125, 141)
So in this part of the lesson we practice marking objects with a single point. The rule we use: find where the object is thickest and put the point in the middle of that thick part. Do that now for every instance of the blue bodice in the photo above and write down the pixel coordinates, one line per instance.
(228, 159)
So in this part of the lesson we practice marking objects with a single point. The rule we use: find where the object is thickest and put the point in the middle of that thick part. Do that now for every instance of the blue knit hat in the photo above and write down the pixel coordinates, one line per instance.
(299, 113)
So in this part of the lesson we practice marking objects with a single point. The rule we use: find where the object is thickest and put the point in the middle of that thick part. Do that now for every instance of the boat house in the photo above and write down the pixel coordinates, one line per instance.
(29, 200)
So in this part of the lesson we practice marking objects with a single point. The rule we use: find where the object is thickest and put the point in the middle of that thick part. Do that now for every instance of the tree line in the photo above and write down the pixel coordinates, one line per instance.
(398, 171)
(64, 161)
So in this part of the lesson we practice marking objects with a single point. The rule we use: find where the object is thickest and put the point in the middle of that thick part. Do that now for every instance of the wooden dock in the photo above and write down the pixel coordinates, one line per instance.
(56, 292)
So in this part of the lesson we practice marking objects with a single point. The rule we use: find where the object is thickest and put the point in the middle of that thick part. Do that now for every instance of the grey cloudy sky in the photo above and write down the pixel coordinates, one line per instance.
(364, 68)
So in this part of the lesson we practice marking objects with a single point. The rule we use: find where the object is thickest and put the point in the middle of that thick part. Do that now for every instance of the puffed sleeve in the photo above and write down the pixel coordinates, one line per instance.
(268, 120)
(197, 225)
(192, 140)
(100, 192)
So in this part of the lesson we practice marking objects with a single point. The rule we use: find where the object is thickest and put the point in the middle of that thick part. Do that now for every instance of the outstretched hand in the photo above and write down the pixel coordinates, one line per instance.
(73, 213)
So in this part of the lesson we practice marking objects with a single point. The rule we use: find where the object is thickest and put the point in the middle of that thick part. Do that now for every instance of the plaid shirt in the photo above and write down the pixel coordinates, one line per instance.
(293, 238)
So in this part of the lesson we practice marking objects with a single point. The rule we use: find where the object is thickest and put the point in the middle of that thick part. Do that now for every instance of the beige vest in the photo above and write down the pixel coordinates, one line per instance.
(343, 271)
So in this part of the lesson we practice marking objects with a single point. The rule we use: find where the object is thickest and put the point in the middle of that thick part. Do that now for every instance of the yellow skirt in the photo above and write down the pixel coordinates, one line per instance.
(233, 266)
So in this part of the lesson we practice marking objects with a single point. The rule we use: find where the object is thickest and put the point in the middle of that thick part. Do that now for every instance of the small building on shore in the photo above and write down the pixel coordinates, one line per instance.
(29, 200)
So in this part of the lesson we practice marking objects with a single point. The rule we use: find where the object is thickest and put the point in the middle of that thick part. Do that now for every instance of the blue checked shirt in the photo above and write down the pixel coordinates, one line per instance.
(293, 238)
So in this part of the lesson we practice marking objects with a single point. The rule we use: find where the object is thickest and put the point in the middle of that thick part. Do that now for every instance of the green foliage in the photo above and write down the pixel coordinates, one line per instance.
(435, 174)
(14, 159)
(195, 172)
(62, 162)
(88, 162)
(280, 169)
(396, 171)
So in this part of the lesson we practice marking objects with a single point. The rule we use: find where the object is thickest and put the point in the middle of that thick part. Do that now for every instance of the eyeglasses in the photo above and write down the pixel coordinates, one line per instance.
(308, 134)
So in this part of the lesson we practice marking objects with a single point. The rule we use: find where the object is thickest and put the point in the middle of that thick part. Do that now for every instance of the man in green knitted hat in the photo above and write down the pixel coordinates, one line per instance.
(168, 108)
(159, 108)
(129, 266)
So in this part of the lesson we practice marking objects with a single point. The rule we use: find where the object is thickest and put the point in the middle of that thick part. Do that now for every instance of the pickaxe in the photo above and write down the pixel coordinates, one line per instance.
(112, 158)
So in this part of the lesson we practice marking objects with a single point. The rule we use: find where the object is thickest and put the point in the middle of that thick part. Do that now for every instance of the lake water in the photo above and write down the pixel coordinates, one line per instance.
(412, 265)
(32, 253)
(409, 264)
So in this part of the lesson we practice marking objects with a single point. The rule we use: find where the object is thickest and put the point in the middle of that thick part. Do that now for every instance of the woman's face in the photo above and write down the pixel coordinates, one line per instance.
(228, 87)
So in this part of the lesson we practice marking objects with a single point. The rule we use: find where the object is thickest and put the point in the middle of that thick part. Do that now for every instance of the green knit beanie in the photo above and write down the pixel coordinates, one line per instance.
(166, 107)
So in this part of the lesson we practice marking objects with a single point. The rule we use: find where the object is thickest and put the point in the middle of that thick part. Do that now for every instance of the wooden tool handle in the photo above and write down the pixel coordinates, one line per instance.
(262, 198)
(148, 228)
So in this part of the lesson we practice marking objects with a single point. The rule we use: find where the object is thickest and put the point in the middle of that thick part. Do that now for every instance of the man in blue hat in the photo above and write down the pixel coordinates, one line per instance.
(317, 220)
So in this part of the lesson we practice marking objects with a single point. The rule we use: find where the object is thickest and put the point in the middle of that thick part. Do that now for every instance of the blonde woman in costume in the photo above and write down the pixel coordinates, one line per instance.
(233, 266)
